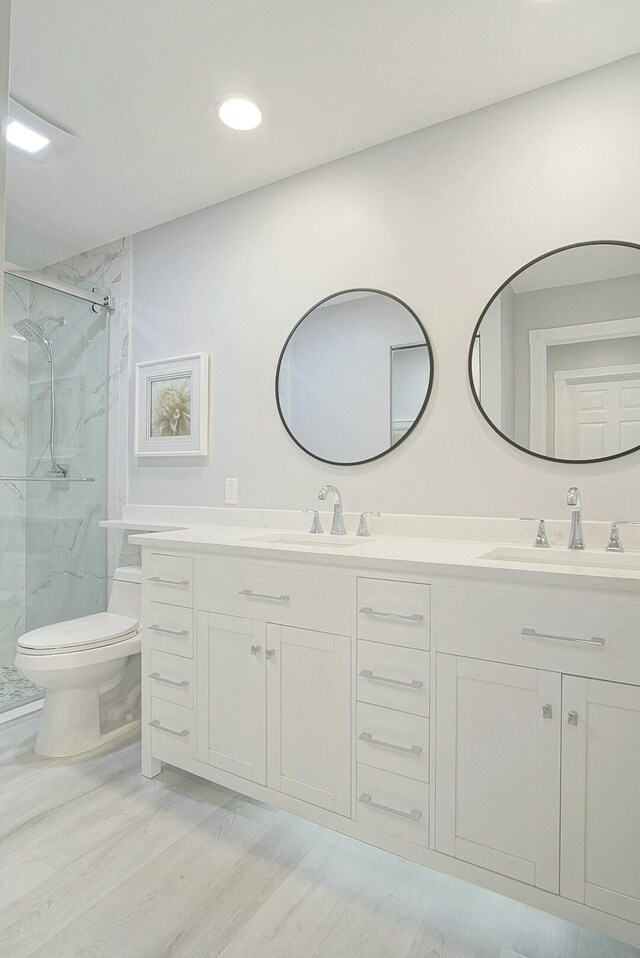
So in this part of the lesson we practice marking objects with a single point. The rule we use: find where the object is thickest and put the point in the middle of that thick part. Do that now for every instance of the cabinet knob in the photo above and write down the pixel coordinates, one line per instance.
(270, 653)
(256, 649)
(572, 718)
(547, 712)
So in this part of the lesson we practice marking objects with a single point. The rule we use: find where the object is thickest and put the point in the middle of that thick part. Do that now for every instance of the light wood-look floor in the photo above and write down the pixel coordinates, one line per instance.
(98, 862)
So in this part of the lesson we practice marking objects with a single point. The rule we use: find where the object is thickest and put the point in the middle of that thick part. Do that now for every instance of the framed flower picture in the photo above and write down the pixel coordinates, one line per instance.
(172, 406)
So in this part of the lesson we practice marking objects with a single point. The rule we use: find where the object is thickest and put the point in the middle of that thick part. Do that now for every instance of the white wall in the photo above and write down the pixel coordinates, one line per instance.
(5, 11)
(440, 218)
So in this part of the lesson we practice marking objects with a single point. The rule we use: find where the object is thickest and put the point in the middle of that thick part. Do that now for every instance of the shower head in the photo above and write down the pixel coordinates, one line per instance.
(35, 334)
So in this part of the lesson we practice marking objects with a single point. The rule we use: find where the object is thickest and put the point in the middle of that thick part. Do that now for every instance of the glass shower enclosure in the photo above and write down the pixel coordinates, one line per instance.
(53, 456)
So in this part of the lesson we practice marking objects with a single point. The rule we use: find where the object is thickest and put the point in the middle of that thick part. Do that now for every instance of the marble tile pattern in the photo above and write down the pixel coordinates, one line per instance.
(96, 860)
(53, 563)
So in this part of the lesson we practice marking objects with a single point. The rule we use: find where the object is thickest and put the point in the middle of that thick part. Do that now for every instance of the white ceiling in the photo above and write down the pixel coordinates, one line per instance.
(137, 82)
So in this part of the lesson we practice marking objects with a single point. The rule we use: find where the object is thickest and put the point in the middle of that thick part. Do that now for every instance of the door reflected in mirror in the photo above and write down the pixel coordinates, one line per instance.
(554, 361)
(354, 376)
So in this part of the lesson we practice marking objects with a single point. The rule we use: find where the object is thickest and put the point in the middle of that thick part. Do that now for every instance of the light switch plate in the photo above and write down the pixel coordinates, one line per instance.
(231, 492)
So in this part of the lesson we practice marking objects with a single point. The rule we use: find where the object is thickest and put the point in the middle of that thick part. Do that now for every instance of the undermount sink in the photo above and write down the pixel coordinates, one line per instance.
(587, 559)
(323, 541)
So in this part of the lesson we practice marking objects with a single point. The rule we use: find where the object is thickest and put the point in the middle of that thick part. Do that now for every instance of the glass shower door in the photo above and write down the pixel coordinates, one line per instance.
(52, 552)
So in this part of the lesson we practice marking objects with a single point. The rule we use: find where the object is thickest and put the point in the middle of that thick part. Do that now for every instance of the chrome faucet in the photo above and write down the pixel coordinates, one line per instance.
(576, 538)
(337, 526)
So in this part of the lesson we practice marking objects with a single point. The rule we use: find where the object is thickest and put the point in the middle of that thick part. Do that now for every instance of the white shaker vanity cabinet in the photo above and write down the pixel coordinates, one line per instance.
(485, 724)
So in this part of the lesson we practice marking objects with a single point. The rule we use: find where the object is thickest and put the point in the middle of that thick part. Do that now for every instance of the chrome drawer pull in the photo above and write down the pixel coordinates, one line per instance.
(178, 685)
(391, 615)
(409, 749)
(156, 578)
(368, 674)
(156, 628)
(414, 815)
(531, 633)
(263, 595)
(171, 731)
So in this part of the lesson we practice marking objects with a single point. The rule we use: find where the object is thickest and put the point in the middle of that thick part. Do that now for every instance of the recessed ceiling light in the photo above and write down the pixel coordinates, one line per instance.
(25, 139)
(239, 112)
(33, 137)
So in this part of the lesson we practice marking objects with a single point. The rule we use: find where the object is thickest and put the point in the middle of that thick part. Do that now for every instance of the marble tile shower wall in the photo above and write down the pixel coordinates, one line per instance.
(109, 267)
(56, 565)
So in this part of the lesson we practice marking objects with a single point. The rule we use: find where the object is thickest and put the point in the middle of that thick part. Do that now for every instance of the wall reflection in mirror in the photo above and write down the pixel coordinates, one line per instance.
(555, 357)
(354, 376)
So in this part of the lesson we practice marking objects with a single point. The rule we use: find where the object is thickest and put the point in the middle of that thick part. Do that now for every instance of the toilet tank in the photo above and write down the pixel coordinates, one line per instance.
(126, 592)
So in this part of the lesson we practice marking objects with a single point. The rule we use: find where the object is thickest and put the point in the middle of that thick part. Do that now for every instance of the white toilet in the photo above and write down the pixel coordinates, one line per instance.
(90, 669)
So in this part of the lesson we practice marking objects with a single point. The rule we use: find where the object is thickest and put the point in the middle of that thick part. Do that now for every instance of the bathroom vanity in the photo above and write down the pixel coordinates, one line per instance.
(473, 709)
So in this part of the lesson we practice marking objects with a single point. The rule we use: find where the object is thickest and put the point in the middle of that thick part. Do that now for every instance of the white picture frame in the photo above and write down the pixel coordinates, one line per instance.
(172, 406)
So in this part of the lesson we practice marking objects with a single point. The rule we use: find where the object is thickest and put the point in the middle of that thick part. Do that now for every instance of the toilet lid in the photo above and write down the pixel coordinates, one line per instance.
(88, 632)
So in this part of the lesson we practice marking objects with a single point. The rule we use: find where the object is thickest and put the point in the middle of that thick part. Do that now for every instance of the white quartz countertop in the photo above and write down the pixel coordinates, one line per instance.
(593, 569)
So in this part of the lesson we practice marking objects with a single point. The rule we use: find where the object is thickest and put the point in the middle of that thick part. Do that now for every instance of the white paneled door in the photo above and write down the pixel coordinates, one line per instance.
(601, 795)
(597, 411)
(498, 767)
(231, 695)
(308, 716)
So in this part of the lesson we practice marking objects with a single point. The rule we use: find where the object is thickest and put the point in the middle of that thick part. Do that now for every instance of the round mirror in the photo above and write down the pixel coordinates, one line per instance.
(554, 362)
(354, 376)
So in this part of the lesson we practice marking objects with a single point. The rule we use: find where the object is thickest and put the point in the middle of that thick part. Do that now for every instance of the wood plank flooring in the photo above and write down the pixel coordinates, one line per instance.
(98, 862)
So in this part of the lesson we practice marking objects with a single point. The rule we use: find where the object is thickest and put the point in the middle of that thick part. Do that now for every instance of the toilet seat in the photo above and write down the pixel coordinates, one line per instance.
(76, 635)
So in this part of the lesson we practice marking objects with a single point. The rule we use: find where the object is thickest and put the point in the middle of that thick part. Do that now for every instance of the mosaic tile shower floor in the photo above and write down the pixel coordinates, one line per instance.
(16, 689)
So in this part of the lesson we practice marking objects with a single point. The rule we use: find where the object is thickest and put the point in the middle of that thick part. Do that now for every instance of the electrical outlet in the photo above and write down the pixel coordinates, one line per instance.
(231, 492)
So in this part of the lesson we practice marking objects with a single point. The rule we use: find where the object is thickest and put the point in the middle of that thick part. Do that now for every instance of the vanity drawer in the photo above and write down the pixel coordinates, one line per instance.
(580, 636)
(393, 612)
(393, 677)
(171, 678)
(393, 804)
(171, 727)
(394, 741)
(268, 593)
(170, 579)
(170, 629)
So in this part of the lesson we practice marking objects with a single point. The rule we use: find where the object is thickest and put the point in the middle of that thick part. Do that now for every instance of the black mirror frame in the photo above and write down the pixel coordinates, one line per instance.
(357, 462)
(476, 331)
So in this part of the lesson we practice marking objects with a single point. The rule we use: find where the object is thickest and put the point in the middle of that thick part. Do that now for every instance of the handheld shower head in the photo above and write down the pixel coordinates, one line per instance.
(35, 334)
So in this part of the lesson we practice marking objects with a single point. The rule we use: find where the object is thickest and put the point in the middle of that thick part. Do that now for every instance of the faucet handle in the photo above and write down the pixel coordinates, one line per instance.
(542, 542)
(614, 544)
(316, 525)
(363, 529)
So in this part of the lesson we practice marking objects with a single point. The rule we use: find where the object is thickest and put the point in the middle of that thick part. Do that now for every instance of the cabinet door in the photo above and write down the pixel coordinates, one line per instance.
(600, 854)
(498, 768)
(231, 695)
(308, 716)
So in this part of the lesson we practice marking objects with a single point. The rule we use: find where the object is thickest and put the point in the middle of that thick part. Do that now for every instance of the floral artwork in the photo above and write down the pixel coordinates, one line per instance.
(171, 407)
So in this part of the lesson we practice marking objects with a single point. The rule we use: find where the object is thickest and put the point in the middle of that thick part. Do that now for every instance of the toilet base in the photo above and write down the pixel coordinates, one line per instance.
(70, 723)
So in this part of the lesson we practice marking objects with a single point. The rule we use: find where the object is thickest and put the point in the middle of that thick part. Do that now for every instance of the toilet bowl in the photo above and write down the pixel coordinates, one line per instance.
(90, 670)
